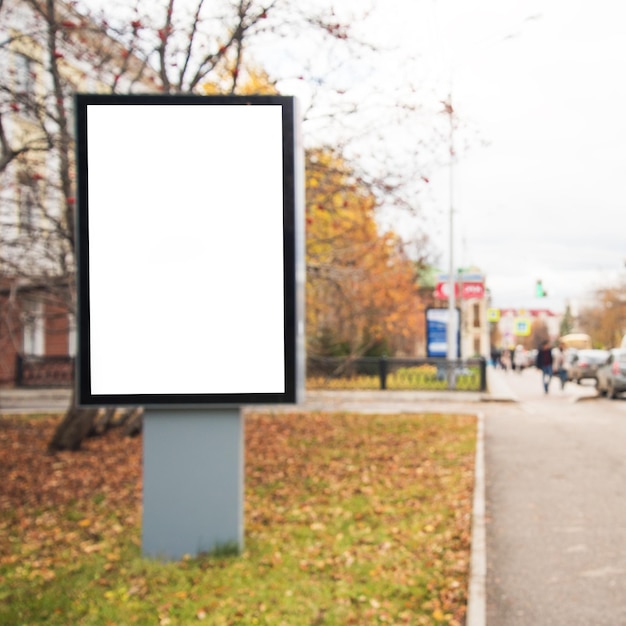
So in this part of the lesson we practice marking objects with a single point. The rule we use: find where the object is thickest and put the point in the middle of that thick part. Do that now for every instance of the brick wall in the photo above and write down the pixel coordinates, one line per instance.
(56, 331)
(10, 340)
(56, 334)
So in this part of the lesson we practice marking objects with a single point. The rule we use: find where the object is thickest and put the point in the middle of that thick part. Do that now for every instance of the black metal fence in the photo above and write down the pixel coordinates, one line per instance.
(44, 371)
(397, 373)
(322, 373)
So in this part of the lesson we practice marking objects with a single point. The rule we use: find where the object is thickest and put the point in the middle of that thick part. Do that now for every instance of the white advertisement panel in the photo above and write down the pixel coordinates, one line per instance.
(187, 249)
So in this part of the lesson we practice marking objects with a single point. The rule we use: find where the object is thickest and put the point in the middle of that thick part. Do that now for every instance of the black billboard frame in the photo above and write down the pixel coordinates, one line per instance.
(292, 224)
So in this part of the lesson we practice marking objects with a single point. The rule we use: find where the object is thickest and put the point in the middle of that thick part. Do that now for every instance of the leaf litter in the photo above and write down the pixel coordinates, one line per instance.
(349, 519)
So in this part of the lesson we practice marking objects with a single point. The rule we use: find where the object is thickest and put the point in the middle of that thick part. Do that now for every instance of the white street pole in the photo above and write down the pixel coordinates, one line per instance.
(452, 330)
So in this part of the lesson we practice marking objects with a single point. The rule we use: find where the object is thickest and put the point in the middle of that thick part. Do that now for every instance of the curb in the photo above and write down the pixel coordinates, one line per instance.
(503, 399)
(585, 398)
(498, 388)
(477, 594)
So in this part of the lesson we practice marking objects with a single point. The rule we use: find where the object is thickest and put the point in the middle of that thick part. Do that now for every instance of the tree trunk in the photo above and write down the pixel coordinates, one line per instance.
(128, 419)
(103, 421)
(74, 428)
(134, 423)
(78, 424)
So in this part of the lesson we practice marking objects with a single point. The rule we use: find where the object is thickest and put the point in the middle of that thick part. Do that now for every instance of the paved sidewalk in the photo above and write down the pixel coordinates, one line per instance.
(34, 400)
(556, 506)
(57, 400)
(53, 399)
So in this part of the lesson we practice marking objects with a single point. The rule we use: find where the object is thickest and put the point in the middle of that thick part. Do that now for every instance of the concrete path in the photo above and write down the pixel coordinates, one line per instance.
(556, 506)
(34, 400)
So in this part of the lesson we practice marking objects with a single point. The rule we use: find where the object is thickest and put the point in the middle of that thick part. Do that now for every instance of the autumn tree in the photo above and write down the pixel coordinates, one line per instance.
(567, 323)
(539, 332)
(361, 286)
(361, 289)
(605, 319)
(49, 49)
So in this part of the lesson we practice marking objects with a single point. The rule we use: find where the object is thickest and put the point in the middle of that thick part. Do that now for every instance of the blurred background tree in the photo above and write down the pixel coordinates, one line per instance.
(50, 49)
(605, 319)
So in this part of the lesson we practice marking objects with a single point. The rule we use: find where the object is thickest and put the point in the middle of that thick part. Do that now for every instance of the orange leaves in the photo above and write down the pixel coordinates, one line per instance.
(60, 504)
(375, 498)
(360, 286)
(350, 519)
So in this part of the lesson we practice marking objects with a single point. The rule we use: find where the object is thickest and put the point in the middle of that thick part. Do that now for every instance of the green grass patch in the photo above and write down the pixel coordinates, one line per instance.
(350, 519)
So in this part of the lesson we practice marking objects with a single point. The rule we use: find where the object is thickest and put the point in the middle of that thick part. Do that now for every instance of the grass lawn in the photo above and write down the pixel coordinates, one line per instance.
(349, 519)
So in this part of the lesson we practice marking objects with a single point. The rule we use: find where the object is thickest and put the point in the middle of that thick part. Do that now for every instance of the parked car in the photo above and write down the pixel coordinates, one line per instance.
(585, 364)
(611, 376)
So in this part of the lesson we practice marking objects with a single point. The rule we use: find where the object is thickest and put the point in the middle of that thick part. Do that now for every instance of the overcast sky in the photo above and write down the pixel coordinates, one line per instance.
(543, 195)
(539, 92)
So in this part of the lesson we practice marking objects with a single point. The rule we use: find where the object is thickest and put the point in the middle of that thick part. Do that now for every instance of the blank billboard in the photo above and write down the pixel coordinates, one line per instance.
(187, 247)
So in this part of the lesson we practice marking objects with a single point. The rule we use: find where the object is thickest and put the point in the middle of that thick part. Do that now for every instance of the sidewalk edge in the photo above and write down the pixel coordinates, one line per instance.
(477, 596)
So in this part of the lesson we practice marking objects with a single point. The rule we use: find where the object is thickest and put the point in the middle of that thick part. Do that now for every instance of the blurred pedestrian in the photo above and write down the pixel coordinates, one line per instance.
(519, 359)
(558, 364)
(544, 363)
(495, 357)
(505, 359)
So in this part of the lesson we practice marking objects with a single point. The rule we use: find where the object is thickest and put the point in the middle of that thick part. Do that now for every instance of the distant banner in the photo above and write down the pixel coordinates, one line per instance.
(470, 290)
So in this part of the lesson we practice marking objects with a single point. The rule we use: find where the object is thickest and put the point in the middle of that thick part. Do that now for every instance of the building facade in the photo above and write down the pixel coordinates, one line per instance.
(524, 326)
(48, 52)
(471, 300)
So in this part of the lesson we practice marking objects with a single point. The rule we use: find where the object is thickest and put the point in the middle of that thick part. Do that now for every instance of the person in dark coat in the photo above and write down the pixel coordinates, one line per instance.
(544, 363)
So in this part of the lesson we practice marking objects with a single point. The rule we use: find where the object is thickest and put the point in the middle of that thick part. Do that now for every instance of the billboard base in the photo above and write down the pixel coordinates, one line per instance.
(193, 482)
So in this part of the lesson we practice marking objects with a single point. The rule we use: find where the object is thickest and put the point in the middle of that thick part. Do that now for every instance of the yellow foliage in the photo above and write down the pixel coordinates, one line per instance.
(361, 287)
(252, 81)
(360, 284)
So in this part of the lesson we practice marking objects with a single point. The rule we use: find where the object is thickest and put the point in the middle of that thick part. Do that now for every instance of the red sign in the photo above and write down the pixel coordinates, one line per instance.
(470, 290)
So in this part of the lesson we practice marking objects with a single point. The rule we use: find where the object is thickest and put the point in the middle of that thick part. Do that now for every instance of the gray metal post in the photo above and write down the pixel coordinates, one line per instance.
(193, 481)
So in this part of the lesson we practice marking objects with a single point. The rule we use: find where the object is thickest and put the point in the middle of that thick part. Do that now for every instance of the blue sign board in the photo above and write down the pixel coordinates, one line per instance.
(437, 333)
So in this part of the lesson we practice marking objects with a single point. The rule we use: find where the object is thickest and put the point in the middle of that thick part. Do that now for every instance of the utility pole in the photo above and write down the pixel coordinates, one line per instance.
(452, 330)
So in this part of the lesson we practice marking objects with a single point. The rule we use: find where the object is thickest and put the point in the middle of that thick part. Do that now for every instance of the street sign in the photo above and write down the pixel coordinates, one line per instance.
(437, 333)
(493, 315)
(470, 290)
(522, 326)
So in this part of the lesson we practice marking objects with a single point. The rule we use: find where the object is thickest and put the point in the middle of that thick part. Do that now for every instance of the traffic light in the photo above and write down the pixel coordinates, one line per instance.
(539, 291)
